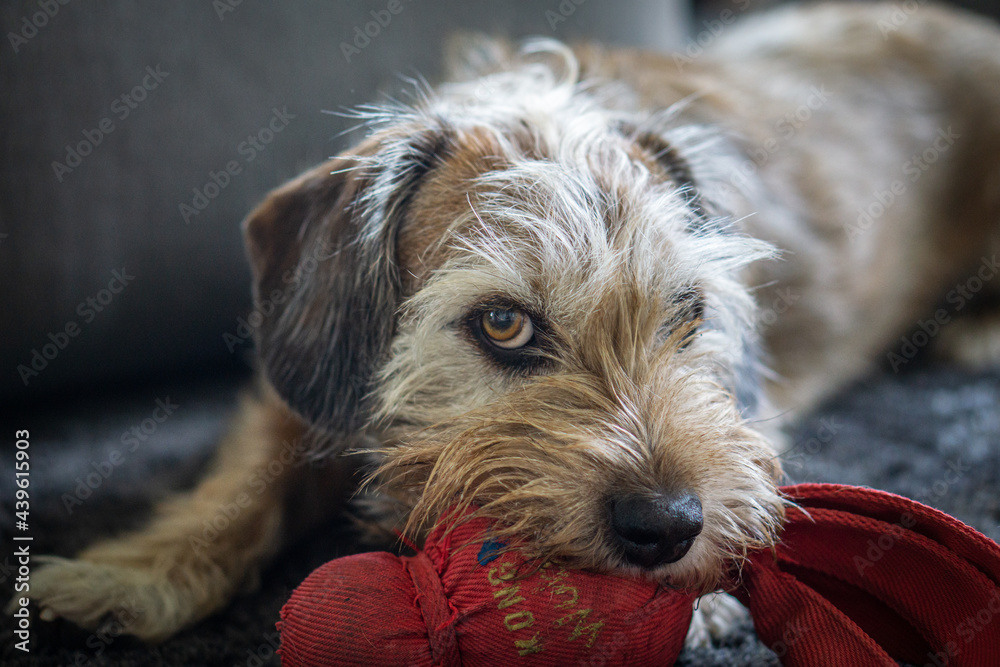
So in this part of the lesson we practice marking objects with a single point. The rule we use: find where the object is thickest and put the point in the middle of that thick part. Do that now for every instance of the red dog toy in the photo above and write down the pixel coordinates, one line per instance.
(865, 578)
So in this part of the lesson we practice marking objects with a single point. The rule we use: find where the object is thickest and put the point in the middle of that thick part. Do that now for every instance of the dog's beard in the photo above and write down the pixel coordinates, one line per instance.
(543, 461)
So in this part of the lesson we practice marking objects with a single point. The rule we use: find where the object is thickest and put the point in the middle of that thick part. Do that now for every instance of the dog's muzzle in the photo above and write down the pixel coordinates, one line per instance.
(653, 530)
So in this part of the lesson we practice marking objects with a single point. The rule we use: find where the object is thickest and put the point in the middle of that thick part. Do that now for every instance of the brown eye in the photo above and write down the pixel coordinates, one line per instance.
(507, 328)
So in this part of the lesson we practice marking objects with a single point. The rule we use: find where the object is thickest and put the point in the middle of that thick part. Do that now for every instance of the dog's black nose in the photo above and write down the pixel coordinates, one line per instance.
(655, 529)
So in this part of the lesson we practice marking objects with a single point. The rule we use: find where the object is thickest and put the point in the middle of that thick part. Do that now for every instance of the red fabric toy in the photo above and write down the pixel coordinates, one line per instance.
(860, 577)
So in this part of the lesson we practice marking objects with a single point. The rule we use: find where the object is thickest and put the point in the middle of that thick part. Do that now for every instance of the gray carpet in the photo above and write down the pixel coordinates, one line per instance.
(932, 434)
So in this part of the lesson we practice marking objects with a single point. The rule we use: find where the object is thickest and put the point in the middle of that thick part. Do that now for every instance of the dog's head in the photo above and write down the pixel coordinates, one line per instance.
(535, 303)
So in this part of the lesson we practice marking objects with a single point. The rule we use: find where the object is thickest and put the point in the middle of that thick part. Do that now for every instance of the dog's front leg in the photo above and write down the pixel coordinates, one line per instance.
(202, 546)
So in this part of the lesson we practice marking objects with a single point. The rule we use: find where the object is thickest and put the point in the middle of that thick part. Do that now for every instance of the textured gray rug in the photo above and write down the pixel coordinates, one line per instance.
(932, 434)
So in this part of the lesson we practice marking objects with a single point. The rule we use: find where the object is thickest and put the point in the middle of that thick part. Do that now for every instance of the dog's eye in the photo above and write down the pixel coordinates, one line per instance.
(507, 328)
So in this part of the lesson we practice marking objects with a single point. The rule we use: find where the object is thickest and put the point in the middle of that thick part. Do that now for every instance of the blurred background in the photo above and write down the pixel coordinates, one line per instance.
(134, 138)
(119, 122)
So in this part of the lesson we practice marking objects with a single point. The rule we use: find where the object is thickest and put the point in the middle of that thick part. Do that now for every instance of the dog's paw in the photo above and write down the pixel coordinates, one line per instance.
(715, 616)
(142, 602)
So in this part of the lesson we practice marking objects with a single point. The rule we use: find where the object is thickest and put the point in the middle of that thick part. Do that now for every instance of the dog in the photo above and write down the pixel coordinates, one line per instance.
(582, 289)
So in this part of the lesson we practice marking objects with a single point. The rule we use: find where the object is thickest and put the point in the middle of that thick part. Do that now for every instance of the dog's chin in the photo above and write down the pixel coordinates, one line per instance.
(712, 563)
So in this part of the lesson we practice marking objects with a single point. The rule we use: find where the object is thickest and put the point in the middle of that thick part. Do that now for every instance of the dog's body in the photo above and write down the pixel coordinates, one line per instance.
(559, 301)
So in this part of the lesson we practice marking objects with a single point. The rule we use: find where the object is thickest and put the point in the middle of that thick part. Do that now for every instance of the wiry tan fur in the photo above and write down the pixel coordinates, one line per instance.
(605, 192)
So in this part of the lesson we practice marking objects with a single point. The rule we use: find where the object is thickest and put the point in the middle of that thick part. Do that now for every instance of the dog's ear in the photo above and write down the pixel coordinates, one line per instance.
(675, 165)
(326, 283)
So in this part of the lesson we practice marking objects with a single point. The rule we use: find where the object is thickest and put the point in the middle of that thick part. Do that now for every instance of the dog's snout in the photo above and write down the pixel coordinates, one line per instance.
(655, 529)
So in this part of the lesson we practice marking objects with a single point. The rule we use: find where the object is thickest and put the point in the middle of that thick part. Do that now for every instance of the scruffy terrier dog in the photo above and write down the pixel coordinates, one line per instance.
(580, 287)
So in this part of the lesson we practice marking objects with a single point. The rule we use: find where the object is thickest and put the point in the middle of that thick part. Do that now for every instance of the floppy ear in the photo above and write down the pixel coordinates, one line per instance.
(326, 283)
(675, 165)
